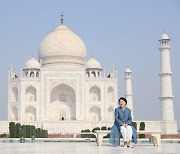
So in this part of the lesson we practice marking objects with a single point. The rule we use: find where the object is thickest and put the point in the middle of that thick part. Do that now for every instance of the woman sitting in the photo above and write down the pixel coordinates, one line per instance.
(123, 125)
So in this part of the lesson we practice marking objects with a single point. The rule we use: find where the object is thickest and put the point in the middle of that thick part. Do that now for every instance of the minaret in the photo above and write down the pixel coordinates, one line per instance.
(166, 94)
(128, 89)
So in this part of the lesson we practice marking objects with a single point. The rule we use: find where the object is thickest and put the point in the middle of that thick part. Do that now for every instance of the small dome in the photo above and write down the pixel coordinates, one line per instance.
(93, 63)
(164, 37)
(32, 64)
(62, 46)
(128, 70)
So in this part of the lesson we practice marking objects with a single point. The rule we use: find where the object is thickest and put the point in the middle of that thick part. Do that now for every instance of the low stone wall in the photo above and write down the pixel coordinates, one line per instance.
(71, 127)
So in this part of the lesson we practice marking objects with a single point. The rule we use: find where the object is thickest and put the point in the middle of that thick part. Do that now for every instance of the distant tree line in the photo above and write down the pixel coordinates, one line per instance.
(16, 130)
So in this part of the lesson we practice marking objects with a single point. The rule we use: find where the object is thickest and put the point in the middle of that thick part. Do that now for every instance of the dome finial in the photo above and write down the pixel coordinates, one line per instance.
(92, 56)
(62, 18)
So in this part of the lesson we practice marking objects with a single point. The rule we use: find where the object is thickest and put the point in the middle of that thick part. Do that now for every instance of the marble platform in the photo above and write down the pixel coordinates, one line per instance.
(84, 148)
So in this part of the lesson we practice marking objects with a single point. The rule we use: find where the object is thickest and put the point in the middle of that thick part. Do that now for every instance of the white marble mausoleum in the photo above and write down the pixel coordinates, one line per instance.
(62, 85)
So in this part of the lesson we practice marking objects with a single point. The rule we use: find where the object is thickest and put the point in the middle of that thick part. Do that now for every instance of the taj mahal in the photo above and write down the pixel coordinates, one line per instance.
(62, 85)
(64, 92)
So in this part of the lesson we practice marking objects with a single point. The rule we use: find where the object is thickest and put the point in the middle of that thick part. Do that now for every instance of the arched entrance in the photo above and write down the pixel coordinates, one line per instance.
(62, 103)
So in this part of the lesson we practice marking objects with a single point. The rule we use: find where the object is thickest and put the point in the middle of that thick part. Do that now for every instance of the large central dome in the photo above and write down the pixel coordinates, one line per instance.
(63, 47)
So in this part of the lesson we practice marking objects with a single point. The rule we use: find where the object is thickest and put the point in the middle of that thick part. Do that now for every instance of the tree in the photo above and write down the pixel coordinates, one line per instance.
(18, 130)
(12, 130)
(23, 130)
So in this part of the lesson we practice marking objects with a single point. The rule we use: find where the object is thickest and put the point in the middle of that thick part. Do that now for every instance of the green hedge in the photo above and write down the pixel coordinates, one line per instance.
(26, 131)
(86, 135)
(103, 128)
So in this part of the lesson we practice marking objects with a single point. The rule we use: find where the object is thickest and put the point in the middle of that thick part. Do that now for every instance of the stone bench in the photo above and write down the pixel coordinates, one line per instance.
(155, 135)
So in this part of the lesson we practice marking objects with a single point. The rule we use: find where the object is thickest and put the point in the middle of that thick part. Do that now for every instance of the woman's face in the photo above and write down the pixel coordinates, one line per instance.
(122, 103)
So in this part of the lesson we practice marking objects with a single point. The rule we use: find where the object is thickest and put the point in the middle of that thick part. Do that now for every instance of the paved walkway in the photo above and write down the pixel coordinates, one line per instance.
(84, 148)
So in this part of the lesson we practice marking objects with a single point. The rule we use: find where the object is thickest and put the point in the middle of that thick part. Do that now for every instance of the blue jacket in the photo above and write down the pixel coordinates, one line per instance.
(121, 116)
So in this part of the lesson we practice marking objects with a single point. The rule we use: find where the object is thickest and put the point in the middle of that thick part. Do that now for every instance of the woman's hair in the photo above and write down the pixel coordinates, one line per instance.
(122, 98)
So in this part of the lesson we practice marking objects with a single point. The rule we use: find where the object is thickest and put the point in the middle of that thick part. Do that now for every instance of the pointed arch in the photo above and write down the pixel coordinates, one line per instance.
(30, 94)
(94, 94)
(32, 74)
(93, 74)
(37, 74)
(62, 103)
(95, 113)
(30, 113)
(110, 95)
(110, 113)
(14, 96)
(14, 114)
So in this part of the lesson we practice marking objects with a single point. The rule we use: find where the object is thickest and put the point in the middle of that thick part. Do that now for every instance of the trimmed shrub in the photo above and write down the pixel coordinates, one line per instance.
(18, 130)
(96, 128)
(33, 130)
(93, 130)
(12, 130)
(142, 127)
(86, 135)
(46, 134)
(23, 130)
(134, 124)
(3, 136)
(41, 133)
(103, 128)
(38, 132)
(28, 131)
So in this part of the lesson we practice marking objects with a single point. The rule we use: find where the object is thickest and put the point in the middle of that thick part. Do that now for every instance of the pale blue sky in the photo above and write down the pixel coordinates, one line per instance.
(123, 33)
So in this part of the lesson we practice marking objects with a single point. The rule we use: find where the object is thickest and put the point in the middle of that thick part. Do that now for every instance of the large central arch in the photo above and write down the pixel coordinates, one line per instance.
(62, 104)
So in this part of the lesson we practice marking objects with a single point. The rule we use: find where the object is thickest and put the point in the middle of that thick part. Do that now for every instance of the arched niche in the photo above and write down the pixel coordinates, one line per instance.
(111, 113)
(14, 115)
(30, 113)
(30, 94)
(95, 113)
(110, 95)
(14, 96)
(94, 94)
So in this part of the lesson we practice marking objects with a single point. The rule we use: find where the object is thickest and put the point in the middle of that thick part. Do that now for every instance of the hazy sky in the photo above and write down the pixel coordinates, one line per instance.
(123, 33)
